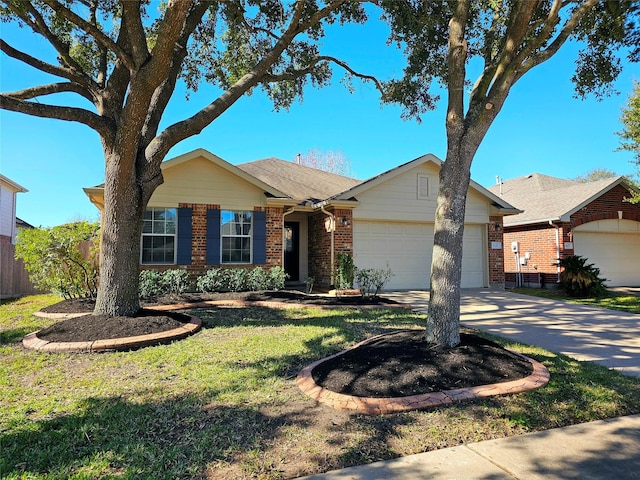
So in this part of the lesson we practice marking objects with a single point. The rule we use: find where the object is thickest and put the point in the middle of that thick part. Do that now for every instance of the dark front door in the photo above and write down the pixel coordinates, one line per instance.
(292, 250)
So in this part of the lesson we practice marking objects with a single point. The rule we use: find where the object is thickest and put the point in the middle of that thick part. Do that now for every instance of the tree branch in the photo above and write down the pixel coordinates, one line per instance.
(50, 89)
(45, 67)
(71, 114)
(566, 31)
(39, 25)
(297, 73)
(90, 29)
(456, 60)
(132, 22)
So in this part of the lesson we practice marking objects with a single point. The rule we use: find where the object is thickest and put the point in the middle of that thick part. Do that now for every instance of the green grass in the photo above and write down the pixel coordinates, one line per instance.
(223, 403)
(613, 300)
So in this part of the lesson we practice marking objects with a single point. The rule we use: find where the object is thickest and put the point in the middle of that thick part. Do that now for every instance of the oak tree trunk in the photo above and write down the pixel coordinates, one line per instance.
(121, 232)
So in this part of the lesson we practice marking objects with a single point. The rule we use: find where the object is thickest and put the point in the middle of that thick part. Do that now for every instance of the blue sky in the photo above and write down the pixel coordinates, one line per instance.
(541, 128)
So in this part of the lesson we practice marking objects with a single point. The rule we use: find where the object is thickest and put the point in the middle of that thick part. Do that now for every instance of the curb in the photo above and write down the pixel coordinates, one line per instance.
(376, 406)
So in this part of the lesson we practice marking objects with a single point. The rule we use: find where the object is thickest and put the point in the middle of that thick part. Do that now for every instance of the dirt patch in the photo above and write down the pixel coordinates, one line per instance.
(402, 364)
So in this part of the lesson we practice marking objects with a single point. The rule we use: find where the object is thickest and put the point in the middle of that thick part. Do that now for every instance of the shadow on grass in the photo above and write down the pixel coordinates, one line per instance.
(175, 438)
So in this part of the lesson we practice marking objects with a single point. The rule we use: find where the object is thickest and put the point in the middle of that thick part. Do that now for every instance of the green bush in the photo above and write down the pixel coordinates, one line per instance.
(241, 279)
(62, 259)
(372, 280)
(580, 279)
(345, 271)
(153, 283)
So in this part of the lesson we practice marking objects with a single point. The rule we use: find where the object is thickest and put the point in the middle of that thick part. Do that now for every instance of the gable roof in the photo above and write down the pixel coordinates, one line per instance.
(500, 204)
(298, 181)
(201, 152)
(543, 198)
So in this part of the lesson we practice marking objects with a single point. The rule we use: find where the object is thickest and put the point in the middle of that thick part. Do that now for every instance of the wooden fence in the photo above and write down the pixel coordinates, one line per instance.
(14, 279)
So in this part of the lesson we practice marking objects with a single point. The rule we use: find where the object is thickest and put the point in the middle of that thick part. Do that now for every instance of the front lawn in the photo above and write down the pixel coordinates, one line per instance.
(613, 300)
(223, 403)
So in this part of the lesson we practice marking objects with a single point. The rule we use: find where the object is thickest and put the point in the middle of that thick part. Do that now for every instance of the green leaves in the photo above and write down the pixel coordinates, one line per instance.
(62, 259)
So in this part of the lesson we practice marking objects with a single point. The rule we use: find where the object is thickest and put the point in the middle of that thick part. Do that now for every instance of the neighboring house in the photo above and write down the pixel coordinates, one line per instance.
(562, 218)
(271, 212)
(8, 193)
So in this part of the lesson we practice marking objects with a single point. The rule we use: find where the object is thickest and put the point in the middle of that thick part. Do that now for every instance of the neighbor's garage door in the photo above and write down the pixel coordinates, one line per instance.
(617, 255)
(407, 248)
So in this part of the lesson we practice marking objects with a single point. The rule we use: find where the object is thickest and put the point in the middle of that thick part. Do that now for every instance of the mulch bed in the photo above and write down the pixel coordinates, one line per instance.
(400, 364)
(90, 327)
(393, 365)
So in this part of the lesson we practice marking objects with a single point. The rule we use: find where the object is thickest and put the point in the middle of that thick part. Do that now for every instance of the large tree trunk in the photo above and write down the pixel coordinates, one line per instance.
(443, 324)
(120, 246)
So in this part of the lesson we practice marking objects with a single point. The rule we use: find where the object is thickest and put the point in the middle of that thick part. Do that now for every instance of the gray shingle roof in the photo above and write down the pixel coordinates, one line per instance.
(298, 181)
(545, 198)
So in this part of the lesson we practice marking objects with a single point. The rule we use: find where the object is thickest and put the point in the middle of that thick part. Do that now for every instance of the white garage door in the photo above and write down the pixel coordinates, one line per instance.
(617, 255)
(407, 248)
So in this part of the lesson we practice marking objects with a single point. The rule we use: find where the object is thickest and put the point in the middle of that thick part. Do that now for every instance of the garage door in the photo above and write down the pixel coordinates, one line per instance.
(407, 248)
(616, 254)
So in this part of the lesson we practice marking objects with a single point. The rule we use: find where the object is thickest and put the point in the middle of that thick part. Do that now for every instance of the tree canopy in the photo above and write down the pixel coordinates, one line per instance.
(478, 50)
(630, 134)
(123, 59)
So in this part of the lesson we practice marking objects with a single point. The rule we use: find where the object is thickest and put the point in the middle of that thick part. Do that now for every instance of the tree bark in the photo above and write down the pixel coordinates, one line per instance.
(120, 248)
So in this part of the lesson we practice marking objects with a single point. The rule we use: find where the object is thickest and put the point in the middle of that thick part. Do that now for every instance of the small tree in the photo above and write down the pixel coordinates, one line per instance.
(56, 261)
(579, 278)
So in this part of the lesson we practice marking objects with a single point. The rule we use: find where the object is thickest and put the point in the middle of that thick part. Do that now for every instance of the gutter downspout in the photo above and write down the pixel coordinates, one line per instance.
(557, 247)
(333, 229)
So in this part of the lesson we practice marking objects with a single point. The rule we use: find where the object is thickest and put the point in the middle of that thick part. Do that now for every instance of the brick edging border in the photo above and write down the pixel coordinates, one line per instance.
(376, 406)
(32, 342)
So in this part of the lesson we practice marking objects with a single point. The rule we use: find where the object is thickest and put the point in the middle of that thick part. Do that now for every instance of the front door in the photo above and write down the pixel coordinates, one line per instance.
(292, 250)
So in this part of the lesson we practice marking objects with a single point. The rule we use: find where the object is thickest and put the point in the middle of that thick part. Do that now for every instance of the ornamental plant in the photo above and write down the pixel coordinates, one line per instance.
(579, 278)
(62, 260)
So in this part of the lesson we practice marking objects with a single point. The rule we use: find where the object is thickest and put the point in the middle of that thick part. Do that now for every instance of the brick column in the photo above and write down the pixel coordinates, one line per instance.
(495, 237)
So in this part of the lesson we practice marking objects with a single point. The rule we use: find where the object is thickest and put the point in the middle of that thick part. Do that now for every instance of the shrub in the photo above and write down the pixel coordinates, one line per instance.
(345, 271)
(55, 259)
(153, 283)
(241, 279)
(175, 280)
(276, 278)
(150, 284)
(579, 279)
(372, 280)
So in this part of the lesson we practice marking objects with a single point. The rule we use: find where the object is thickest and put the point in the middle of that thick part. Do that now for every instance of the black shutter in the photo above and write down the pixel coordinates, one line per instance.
(213, 237)
(183, 256)
(259, 238)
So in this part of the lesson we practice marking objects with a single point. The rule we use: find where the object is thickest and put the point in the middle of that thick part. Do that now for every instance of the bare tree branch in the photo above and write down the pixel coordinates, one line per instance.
(42, 90)
(132, 22)
(297, 73)
(45, 67)
(70, 114)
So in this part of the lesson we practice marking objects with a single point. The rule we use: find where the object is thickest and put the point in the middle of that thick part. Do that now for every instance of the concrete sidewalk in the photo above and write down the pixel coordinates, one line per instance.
(603, 450)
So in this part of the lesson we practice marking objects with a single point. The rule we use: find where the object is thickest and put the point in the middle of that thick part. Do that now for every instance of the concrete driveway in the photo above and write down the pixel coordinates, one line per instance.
(607, 337)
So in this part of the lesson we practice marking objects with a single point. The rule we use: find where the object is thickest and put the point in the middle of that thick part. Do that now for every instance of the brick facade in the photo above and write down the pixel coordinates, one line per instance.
(540, 239)
(320, 243)
(199, 240)
(495, 239)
